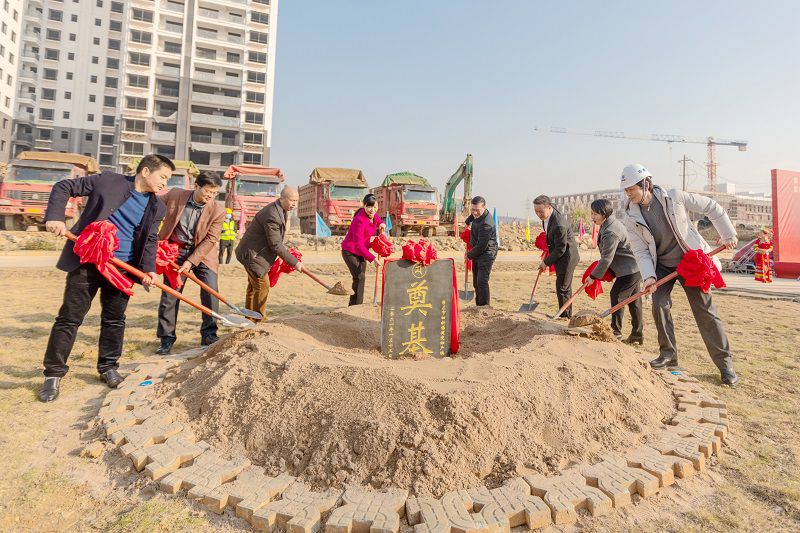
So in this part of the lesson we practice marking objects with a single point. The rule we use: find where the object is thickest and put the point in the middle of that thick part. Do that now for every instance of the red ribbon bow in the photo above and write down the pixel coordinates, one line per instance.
(419, 252)
(541, 243)
(96, 244)
(382, 246)
(595, 288)
(698, 270)
(166, 253)
(282, 267)
(466, 236)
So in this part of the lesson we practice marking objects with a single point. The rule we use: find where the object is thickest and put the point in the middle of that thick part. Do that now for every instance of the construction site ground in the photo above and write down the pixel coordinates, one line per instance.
(47, 485)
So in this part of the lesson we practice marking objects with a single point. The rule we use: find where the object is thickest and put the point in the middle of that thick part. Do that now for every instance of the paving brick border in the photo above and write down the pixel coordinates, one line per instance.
(168, 452)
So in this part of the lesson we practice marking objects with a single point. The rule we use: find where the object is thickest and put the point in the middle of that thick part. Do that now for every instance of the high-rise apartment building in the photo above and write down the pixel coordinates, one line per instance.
(10, 28)
(189, 79)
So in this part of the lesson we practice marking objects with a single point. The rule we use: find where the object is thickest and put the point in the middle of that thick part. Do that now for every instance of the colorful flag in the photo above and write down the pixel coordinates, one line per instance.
(388, 222)
(322, 229)
(528, 230)
(496, 226)
(595, 233)
(582, 232)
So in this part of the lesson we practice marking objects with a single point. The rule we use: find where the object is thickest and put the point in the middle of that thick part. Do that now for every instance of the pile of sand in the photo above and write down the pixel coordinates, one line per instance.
(311, 396)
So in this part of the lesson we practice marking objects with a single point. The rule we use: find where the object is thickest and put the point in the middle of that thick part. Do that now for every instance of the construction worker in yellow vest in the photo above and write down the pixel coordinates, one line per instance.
(227, 237)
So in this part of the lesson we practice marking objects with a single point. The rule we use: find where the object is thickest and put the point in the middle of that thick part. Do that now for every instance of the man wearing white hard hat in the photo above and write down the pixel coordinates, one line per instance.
(660, 232)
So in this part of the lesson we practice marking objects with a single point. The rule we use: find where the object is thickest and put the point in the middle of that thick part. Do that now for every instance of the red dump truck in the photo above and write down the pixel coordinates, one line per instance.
(25, 188)
(411, 202)
(249, 189)
(334, 193)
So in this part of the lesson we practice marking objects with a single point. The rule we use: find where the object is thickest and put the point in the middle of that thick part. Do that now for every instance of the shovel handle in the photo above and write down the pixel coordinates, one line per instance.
(535, 284)
(315, 278)
(192, 276)
(377, 275)
(659, 283)
(166, 288)
(573, 297)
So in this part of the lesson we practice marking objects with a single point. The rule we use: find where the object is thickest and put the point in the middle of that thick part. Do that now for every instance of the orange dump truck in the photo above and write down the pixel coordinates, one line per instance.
(411, 202)
(25, 188)
(251, 188)
(333, 193)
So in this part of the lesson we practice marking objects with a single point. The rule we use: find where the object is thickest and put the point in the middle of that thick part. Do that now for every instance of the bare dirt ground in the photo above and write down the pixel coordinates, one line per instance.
(46, 486)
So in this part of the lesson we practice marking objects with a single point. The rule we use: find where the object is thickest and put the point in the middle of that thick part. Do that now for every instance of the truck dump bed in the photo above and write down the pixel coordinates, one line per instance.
(87, 163)
(338, 176)
(405, 178)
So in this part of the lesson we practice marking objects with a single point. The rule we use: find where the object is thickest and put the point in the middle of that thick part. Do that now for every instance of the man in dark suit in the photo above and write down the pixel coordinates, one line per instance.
(483, 240)
(563, 252)
(193, 222)
(262, 244)
(130, 204)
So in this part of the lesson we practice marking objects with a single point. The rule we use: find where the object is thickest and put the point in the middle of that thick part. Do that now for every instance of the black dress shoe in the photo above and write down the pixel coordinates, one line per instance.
(208, 341)
(112, 378)
(166, 346)
(49, 390)
(618, 336)
(664, 361)
(730, 379)
(634, 340)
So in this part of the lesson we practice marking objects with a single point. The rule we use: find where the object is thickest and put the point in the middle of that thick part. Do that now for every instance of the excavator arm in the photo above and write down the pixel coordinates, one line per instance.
(464, 173)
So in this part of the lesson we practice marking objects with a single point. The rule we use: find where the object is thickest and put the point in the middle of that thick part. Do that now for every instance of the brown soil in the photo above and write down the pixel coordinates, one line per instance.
(311, 395)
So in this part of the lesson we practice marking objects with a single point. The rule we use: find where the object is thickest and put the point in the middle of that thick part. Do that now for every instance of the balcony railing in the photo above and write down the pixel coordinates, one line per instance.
(24, 116)
(215, 120)
(166, 136)
(217, 99)
(169, 71)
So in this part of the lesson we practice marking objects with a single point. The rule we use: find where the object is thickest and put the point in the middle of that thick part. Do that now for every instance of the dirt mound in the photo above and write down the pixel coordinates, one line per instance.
(311, 395)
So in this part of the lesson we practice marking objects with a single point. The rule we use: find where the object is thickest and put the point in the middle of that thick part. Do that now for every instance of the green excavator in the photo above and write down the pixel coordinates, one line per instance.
(451, 212)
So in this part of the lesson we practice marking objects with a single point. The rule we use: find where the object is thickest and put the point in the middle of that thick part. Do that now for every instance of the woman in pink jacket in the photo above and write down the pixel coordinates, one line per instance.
(355, 247)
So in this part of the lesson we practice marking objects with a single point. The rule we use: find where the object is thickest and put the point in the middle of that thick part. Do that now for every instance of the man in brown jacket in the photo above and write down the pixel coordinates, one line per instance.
(262, 244)
(194, 222)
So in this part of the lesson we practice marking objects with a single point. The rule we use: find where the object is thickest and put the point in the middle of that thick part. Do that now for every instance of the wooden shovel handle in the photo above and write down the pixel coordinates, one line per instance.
(535, 284)
(315, 278)
(573, 297)
(192, 276)
(659, 283)
(166, 288)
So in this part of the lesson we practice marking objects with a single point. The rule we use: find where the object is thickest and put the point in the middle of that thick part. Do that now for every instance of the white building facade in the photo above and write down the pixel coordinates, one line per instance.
(11, 14)
(188, 79)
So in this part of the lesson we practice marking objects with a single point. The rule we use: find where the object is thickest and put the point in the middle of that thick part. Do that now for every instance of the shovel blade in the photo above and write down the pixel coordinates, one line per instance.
(466, 295)
(247, 313)
(236, 321)
(528, 308)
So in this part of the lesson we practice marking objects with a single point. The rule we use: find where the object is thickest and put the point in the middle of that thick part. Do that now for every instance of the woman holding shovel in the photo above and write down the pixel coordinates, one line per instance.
(616, 256)
(355, 247)
(660, 233)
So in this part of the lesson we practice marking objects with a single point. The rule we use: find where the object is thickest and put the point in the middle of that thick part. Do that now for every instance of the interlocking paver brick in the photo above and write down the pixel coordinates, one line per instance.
(300, 510)
(700, 399)
(620, 481)
(208, 471)
(362, 509)
(156, 428)
(115, 421)
(118, 401)
(664, 467)
(568, 492)
(709, 415)
(250, 491)
(686, 447)
(512, 503)
(703, 429)
(163, 458)
(450, 513)
(705, 432)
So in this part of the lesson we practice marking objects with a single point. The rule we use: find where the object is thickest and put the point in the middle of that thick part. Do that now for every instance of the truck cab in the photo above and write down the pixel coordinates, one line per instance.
(335, 194)
(250, 189)
(412, 203)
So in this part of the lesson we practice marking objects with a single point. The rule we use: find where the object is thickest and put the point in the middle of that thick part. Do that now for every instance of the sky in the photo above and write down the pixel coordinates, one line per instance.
(416, 85)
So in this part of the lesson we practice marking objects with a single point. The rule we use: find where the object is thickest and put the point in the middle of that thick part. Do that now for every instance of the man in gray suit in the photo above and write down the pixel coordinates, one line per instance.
(262, 244)
(660, 232)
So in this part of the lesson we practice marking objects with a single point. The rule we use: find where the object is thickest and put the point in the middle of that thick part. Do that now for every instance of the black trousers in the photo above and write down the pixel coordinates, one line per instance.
(357, 266)
(623, 287)
(223, 246)
(565, 269)
(81, 288)
(168, 306)
(481, 270)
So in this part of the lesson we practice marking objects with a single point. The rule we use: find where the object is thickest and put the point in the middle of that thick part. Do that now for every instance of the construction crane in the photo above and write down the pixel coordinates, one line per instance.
(710, 142)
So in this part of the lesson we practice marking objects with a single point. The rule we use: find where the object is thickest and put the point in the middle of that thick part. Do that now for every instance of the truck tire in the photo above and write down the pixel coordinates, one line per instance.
(427, 232)
(395, 231)
(14, 223)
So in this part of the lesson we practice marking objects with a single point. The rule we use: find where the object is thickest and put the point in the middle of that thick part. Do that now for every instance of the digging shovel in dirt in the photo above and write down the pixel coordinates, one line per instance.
(572, 298)
(530, 306)
(231, 321)
(586, 318)
(466, 294)
(337, 288)
(247, 313)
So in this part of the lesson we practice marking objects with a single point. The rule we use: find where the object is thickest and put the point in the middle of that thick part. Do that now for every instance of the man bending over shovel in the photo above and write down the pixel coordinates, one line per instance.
(262, 244)
(660, 232)
(193, 223)
(131, 205)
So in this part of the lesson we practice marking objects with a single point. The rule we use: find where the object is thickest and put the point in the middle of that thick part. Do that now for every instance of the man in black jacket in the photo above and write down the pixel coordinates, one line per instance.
(563, 252)
(262, 244)
(130, 204)
(483, 240)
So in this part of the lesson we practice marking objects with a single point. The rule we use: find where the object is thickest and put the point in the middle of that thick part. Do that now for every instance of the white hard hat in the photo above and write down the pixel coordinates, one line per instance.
(633, 174)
